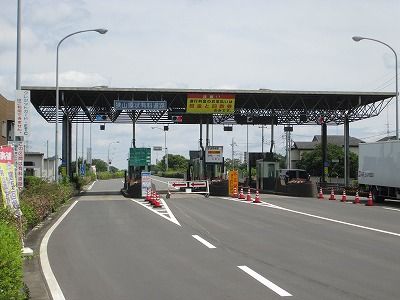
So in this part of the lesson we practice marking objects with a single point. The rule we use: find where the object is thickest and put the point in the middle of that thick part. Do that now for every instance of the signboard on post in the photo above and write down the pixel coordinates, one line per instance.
(233, 181)
(199, 103)
(146, 183)
(22, 100)
(139, 157)
(215, 154)
(19, 150)
(140, 105)
(7, 177)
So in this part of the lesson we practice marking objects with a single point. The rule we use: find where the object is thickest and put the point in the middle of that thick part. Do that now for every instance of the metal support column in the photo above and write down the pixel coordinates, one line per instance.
(134, 133)
(272, 136)
(324, 147)
(203, 155)
(346, 151)
(207, 134)
(66, 143)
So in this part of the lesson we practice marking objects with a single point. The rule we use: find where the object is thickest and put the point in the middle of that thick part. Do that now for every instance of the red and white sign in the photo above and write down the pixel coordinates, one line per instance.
(22, 101)
(6, 154)
(179, 184)
(195, 184)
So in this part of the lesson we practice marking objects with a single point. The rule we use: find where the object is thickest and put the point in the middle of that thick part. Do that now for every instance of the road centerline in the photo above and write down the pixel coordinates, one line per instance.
(204, 242)
(269, 284)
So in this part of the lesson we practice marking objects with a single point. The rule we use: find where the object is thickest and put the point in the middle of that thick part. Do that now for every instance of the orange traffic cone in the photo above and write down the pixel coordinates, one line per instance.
(235, 194)
(241, 195)
(157, 202)
(344, 197)
(148, 195)
(332, 196)
(357, 199)
(370, 202)
(257, 198)
(320, 194)
(248, 195)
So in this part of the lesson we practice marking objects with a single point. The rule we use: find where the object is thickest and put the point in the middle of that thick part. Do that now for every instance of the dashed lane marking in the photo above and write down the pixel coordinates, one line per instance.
(269, 284)
(204, 242)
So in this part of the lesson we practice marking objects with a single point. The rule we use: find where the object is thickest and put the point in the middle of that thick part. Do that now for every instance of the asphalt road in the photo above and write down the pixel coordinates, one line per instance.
(110, 247)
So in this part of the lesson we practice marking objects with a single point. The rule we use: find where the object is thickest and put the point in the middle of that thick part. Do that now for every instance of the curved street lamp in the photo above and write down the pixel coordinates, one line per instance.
(99, 30)
(359, 38)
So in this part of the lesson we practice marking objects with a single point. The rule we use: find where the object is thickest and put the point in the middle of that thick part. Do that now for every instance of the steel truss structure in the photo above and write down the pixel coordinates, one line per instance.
(96, 105)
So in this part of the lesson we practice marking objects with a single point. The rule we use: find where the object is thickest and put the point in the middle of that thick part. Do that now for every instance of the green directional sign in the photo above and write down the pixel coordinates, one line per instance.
(139, 157)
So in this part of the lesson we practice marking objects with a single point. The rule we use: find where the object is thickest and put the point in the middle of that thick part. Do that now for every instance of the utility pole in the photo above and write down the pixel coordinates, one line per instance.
(233, 153)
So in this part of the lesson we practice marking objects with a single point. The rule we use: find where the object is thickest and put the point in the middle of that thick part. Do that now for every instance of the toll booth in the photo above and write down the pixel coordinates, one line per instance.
(210, 166)
(267, 172)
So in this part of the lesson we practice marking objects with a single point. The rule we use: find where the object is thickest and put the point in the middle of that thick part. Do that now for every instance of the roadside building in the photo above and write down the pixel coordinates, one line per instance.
(6, 120)
(299, 148)
(33, 164)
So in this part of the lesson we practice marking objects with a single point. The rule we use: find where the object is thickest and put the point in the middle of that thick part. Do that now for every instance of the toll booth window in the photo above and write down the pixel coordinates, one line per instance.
(303, 175)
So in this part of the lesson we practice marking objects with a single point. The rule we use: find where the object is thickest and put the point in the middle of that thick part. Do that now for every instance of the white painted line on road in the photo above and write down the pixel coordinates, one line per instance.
(265, 281)
(336, 221)
(204, 242)
(389, 208)
(90, 187)
(170, 216)
(55, 290)
(165, 182)
(319, 217)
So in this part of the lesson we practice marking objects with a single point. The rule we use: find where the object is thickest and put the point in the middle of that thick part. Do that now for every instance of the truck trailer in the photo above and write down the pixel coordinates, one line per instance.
(379, 169)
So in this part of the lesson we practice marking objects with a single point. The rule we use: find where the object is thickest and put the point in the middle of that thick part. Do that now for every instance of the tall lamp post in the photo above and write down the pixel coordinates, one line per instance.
(108, 155)
(359, 38)
(165, 144)
(99, 30)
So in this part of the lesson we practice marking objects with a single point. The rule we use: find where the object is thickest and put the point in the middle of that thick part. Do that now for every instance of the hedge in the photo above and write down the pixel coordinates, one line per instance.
(11, 274)
(110, 175)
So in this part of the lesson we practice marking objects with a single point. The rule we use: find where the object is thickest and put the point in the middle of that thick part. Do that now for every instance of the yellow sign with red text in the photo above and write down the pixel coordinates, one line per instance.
(233, 181)
(199, 103)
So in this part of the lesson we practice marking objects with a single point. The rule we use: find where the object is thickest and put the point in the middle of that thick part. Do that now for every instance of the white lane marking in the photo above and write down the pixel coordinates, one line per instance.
(55, 290)
(204, 242)
(171, 216)
(321, 218)
(265, 281)
(90, 187)
(389, 208)
(165, 182)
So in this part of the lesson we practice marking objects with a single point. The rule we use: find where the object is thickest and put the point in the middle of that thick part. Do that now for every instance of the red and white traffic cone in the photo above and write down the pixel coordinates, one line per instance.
(235, 194)
(357, 199)
(153, 197)
(332, 196)
(148, 195)
(157, 202)
(257, 198)
(248, 195)
(344, 197)
(241, 195)
(320, 194)
(370, 202)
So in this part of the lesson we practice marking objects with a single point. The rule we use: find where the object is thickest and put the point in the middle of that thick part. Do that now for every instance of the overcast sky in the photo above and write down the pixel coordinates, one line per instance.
(279, 45)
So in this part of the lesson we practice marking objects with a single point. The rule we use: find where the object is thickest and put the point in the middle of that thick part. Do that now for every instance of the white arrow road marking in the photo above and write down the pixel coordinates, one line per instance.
(265, 281)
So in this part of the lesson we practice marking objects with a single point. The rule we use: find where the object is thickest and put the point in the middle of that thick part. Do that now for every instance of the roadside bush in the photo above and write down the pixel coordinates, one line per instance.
(171, 174)
(11, 274)
(110, 175)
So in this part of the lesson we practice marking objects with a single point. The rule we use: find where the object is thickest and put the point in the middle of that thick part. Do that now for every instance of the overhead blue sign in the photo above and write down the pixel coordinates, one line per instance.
(140, 105)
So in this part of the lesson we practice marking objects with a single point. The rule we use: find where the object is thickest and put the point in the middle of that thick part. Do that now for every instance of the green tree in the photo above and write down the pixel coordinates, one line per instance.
(101, 165)
(312, 161)
(237, 163)
(175, 162)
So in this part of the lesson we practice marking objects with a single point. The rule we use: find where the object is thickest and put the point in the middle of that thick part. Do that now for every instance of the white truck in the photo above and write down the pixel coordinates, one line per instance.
(379, 168)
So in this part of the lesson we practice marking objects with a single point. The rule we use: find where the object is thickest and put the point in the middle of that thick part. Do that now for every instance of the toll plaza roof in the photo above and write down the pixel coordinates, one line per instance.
(263, 106)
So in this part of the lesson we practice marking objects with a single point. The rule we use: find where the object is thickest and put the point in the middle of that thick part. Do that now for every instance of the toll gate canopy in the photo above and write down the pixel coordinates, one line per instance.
(195, 106)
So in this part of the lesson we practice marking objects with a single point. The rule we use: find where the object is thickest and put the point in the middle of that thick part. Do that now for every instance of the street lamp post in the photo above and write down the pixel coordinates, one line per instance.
(359, 38)
(99, 30)
(108, 155)
(165, 146)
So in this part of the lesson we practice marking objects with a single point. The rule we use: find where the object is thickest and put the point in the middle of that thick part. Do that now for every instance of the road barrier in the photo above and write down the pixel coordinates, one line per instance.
(188, 187)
